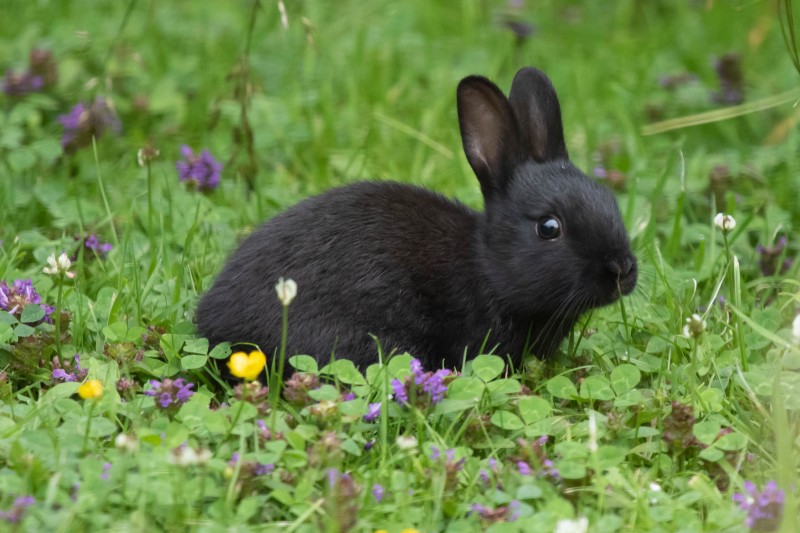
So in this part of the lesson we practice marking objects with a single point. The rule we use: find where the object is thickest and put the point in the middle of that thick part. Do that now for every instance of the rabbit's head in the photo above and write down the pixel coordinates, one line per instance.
(553, 241)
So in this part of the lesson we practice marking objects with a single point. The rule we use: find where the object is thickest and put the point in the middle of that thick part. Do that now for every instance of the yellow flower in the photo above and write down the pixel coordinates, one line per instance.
(91, 390)
(381, 531)
(409, 530)
(247, 366)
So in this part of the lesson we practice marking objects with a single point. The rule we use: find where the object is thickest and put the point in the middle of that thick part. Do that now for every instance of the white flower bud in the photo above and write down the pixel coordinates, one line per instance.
(127, 443)
(724, 223)
(406, 442)
(695, 326)
(579, 525)
(287, 290)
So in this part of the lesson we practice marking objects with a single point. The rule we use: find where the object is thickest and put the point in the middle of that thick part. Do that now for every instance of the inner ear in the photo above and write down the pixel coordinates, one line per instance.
(488, 133)
(535, 103)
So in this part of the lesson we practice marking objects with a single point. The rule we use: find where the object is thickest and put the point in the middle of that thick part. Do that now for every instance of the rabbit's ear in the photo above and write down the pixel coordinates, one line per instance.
(488, 132)
(535, 103)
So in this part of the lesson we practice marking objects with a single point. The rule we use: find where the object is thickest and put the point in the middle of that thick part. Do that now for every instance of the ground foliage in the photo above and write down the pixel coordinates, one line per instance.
(676, 410)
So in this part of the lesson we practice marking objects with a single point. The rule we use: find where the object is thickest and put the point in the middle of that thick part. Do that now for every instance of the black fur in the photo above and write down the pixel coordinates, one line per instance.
(426, 274)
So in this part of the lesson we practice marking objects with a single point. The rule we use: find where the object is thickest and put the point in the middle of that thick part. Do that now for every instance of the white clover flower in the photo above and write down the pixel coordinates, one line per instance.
(406, 442)
(579, 525)
(287, 290)
(654, 487)
(724, 223)
(59, 266)
(188, 456)
(695, 326)
(128, 443)
(146, 155)
(796, 329)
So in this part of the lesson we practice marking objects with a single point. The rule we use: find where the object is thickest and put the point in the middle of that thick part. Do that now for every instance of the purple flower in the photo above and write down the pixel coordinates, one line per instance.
(67, 371)
(73, 121)
(348, 396)
(769, 258)
(100, 248)
(21, 293)
(507, 513)
(764, 508)
(106, 471)
(15, 514)
(333, 474)
(373, 412)
(435, 386)
(251, 469)
(513, 510)
(263, 469)
(165, 400)
(731, 80)
(83, 123)
(533, 459)
(377, 492)
(399, 389)
(199, 171)
(184, 393)
(368, 445)
(419, 373)
(42, 63)
(60, 374)
(431, 383)
(548, 469)
(42, 72)
(15, 84)
(435, 453)
(478, 508)
(600, 172)
(170, 393)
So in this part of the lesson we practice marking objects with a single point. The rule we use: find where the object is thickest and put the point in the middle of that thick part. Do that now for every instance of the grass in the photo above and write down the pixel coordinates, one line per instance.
(647, 427)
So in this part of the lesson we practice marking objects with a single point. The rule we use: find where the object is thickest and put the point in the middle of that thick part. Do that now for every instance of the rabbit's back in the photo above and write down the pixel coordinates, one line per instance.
(372, 258)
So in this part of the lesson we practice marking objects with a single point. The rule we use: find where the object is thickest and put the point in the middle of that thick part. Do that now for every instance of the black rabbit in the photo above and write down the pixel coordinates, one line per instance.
(427, 275)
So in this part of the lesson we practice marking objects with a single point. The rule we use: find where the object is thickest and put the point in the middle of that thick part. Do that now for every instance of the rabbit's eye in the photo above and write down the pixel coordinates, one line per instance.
(548, 228)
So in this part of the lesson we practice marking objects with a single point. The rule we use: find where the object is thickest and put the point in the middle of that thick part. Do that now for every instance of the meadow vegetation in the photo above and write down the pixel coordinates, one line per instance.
(140, 141)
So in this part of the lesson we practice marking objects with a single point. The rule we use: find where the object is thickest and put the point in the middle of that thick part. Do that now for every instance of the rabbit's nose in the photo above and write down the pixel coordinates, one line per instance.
(622, 268)
(625, 272)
